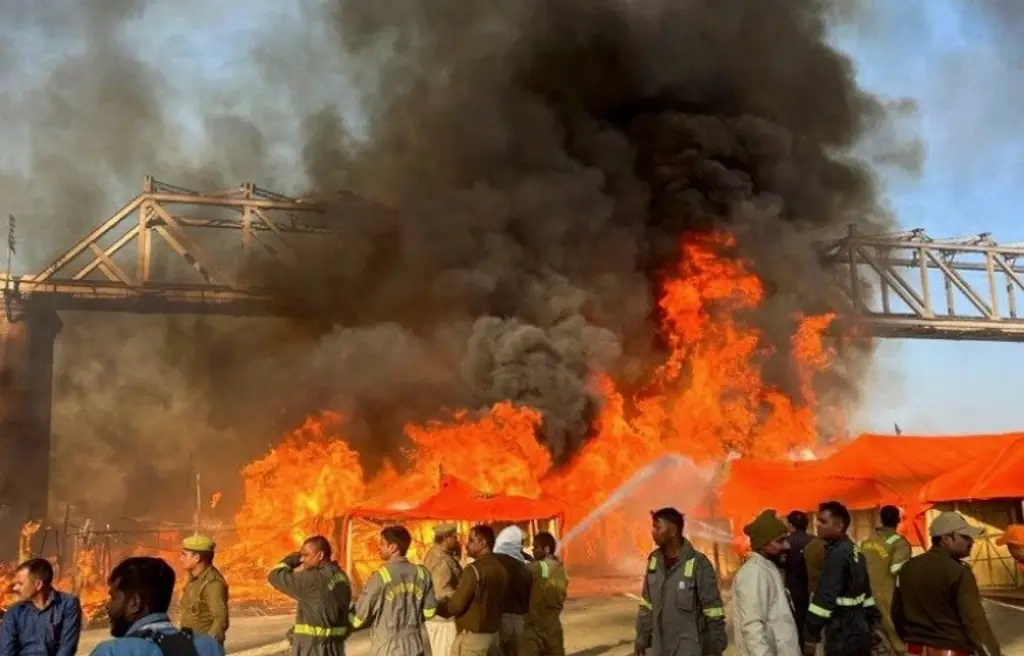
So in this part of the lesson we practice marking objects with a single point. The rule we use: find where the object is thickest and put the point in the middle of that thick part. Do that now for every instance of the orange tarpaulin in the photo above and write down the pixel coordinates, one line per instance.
(870, 471)
(990, 476)
(458, 501)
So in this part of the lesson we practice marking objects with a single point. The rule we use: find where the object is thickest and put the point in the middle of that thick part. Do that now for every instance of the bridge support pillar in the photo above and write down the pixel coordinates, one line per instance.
(26, 395)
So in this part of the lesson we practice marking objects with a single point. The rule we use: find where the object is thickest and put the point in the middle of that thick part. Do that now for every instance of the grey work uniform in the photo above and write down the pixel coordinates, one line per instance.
(397, 601)
(321, 620)
(681, 611)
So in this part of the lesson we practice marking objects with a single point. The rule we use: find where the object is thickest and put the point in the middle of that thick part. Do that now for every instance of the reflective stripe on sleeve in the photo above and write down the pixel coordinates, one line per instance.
(869, 602)
(714, 612)
(320, 631)
(645, 604)
(819, 611)
(896, 567)
(355, 621)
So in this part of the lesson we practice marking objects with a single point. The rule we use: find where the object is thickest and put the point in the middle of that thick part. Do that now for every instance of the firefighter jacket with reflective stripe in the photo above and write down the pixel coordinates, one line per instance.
(886, 551)
(397, 600)
(544, 635)
(842, 604)
(321, 619)
(681, 611)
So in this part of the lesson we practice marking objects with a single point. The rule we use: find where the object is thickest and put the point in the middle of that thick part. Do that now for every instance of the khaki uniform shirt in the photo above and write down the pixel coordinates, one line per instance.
(937, 604)
(204, 604)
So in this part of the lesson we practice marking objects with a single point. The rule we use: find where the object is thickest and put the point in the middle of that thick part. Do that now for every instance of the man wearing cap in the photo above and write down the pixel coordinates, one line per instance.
(442, 562)
(936, 608)
(763, 619)
(681, 611)
(204, 601)
(1013, 540)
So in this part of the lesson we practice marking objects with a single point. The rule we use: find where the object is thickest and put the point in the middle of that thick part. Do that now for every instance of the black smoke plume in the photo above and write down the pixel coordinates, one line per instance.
(541, 159)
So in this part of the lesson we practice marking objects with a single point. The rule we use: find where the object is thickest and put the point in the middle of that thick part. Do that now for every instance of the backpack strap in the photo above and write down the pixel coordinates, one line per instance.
(178, 643)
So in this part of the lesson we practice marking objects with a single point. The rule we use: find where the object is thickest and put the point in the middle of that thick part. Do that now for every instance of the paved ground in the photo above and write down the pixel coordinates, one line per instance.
(593, 627)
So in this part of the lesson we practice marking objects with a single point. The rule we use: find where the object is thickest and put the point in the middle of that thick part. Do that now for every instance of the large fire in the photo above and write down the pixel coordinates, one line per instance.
(706, 401)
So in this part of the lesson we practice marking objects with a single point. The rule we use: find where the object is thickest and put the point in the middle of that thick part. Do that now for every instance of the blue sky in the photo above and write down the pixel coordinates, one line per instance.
(941, 54)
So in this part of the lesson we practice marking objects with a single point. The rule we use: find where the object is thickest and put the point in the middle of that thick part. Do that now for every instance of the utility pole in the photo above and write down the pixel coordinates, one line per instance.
(11, 251)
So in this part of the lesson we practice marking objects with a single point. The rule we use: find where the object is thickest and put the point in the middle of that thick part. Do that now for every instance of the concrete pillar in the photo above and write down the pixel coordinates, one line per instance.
(26, 397)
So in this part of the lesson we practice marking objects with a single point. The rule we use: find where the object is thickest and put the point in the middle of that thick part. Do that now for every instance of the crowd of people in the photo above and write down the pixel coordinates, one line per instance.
(795, 595)
(799, 593)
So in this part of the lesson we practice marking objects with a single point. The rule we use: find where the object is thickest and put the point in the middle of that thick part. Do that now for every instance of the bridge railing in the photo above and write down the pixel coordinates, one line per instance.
(911, 285)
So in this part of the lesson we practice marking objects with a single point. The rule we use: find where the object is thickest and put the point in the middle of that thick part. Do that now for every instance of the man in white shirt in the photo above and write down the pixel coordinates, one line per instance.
(763, 616)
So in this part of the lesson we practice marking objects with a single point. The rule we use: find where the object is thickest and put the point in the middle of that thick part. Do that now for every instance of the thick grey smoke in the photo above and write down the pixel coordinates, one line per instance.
(548, 156)
(542, 159)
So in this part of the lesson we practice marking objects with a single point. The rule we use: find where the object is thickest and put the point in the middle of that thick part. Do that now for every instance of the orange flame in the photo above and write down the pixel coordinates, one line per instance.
(707, 400)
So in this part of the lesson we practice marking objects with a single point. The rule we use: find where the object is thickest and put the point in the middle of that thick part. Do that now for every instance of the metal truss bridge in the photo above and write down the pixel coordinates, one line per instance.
(904, 285)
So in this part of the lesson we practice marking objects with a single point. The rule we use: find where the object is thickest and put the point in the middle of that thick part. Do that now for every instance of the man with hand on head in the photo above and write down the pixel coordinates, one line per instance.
(44, 621)
(763, 620)
(324, 594)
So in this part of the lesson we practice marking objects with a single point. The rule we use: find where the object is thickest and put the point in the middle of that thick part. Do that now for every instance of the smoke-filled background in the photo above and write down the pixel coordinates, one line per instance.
(541, 158)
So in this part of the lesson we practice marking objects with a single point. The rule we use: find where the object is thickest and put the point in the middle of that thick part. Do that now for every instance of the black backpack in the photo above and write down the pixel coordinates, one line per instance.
(179, 643)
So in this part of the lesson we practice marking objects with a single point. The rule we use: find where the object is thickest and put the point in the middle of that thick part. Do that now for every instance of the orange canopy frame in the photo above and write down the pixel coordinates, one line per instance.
(867, 472)
(456, 501)
(990, 476)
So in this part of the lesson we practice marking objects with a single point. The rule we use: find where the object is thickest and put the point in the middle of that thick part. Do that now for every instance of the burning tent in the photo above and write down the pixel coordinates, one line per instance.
(455, 502)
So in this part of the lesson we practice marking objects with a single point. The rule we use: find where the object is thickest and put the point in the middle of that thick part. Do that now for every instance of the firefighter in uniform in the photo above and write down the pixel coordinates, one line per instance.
(681, 611)
(886, 551)
(544, 636)
(442, 562)
(841, 605)
(204, 601)
(323, 593)
(397, 600)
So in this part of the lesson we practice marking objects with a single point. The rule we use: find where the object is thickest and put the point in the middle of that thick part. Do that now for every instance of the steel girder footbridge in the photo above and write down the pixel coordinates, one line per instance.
(904, 285)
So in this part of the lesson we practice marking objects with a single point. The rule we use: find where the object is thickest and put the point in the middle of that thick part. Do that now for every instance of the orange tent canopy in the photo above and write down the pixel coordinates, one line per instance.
(989, 476)
(906, 463)
(869, 471)
(456, 500)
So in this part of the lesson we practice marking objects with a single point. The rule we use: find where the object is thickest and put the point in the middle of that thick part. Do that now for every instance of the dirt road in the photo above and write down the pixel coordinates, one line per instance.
(593, 627)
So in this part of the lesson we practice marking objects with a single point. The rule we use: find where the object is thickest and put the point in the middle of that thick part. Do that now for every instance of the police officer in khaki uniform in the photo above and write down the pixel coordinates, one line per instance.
(442, 563)
(204, 601)
(544, 636)
(886, 551)
(681, 611)
(323, 593)
(397, 600)
(478, 598)
(937, 607)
